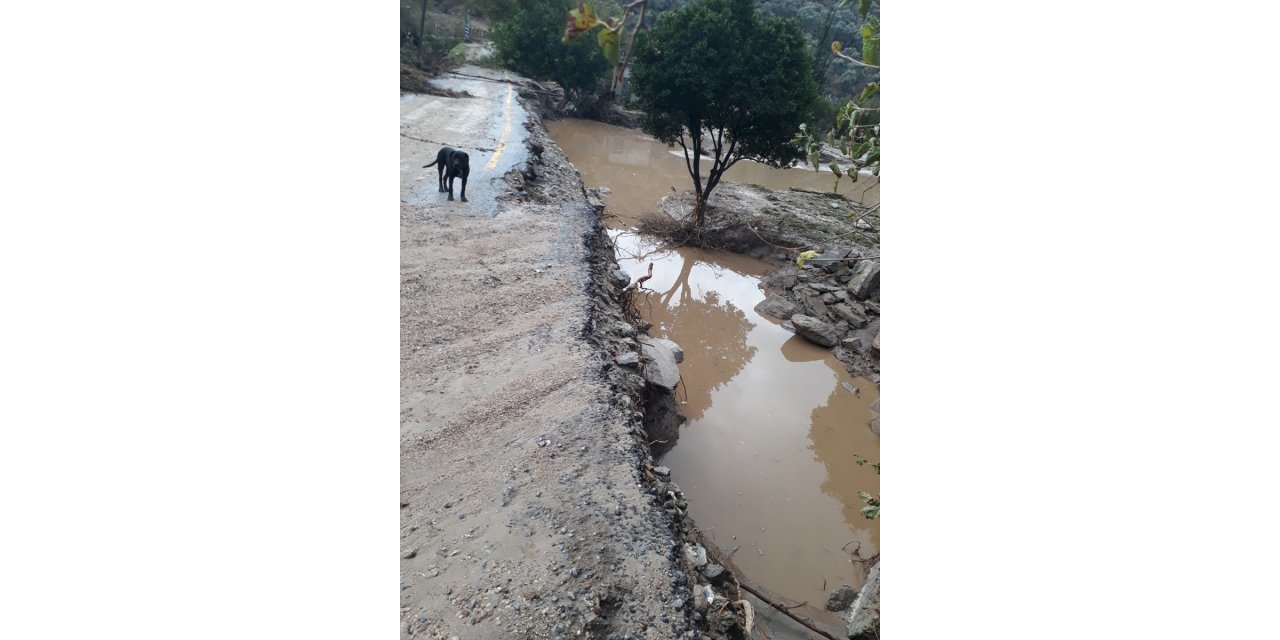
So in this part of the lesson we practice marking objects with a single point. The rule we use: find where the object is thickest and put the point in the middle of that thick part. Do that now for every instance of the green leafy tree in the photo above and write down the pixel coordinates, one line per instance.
(724, 83)
(528, 41)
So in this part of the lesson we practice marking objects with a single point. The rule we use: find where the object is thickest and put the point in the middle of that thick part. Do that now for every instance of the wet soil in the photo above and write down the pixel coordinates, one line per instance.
(527, 509)
(767, 457)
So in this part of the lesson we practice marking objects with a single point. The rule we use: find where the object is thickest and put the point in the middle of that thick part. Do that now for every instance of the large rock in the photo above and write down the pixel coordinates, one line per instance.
(813, 303)
(778, 307)
(848, 314)
(863, 620)
(831, 260)
(816, 331)
(660, 367)
(670, 344)
(865, 281)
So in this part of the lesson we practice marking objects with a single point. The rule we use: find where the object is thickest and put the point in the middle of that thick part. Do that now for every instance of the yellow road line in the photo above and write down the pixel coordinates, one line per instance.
(506, 129)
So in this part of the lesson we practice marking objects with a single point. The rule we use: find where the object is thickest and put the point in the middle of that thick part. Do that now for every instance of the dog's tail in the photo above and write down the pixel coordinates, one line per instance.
(433, 163)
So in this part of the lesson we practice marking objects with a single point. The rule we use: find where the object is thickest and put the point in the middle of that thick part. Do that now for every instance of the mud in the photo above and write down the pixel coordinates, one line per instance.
(528, 507)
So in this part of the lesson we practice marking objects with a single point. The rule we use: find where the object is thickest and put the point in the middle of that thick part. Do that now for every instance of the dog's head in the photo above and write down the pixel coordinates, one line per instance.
(459, 160)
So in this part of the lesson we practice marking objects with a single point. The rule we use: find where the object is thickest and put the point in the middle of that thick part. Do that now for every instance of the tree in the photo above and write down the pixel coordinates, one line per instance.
(527, 40)
(724, 83)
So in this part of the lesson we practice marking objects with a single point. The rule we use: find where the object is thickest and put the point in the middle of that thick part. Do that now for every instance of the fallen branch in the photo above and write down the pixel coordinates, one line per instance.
(639, 283)
(405, 135)
(805, 622)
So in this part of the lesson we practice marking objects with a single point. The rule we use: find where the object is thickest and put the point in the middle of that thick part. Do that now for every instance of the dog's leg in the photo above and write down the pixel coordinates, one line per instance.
(441, 189)
(450, 181)
(465, 172)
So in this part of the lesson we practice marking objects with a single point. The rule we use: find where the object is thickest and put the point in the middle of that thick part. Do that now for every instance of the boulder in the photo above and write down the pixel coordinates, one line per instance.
(628, 359)
(865, 281)
(815, 330)
(660, 367)
(670, 344)
(777, 306)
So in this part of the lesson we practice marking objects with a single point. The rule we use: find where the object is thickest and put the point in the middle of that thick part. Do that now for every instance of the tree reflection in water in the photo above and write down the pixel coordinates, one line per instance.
(713, 334)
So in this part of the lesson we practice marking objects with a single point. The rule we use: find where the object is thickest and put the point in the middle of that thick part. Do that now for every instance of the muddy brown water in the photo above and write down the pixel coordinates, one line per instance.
(768, 456)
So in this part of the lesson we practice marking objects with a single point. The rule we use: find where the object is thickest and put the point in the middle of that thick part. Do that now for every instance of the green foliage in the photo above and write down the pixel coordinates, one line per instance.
(528, 41)
(427, 48)
(872, 510)
(856, 131)
(705, 76)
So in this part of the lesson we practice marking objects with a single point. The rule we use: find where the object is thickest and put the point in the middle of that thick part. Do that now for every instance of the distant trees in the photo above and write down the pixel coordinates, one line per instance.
(856, 131)
(725, 84)
(527, 39)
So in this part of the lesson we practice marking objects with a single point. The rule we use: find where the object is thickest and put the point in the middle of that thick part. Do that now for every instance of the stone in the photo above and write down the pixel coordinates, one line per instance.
(788, 325)
(620, 278)
(875, 343)
(865, 281)
(410, 554)
(777, 306)
(852, 343)
(863, 619)
(695, 555)
(670, 344)
(814, 304)
(699, 600)
(827, 298)
(814, 330)
(832, 260)
(662, 471)
(660, 368)
(596, 203)
(846, 312)
(623, 329)
(715, 573)
(628, 359)
(841, 598)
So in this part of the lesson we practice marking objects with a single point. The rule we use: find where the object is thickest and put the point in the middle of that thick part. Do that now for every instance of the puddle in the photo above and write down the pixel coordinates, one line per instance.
(767, 457)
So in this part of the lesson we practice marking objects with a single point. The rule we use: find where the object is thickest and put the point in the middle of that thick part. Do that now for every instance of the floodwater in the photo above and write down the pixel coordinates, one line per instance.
(640, 170)
(768, 457)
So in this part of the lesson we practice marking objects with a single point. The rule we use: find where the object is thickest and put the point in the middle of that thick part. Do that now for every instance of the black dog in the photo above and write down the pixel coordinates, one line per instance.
(453, 164)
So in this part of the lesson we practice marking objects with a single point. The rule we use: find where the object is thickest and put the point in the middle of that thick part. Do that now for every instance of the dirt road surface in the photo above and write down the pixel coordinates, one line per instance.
(524, 511)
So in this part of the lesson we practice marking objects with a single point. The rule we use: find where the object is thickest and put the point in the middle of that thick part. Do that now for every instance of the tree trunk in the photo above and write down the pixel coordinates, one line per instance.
(422, 30)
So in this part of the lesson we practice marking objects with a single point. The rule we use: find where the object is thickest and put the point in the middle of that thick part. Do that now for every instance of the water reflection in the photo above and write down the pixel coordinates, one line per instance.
(767, 456)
